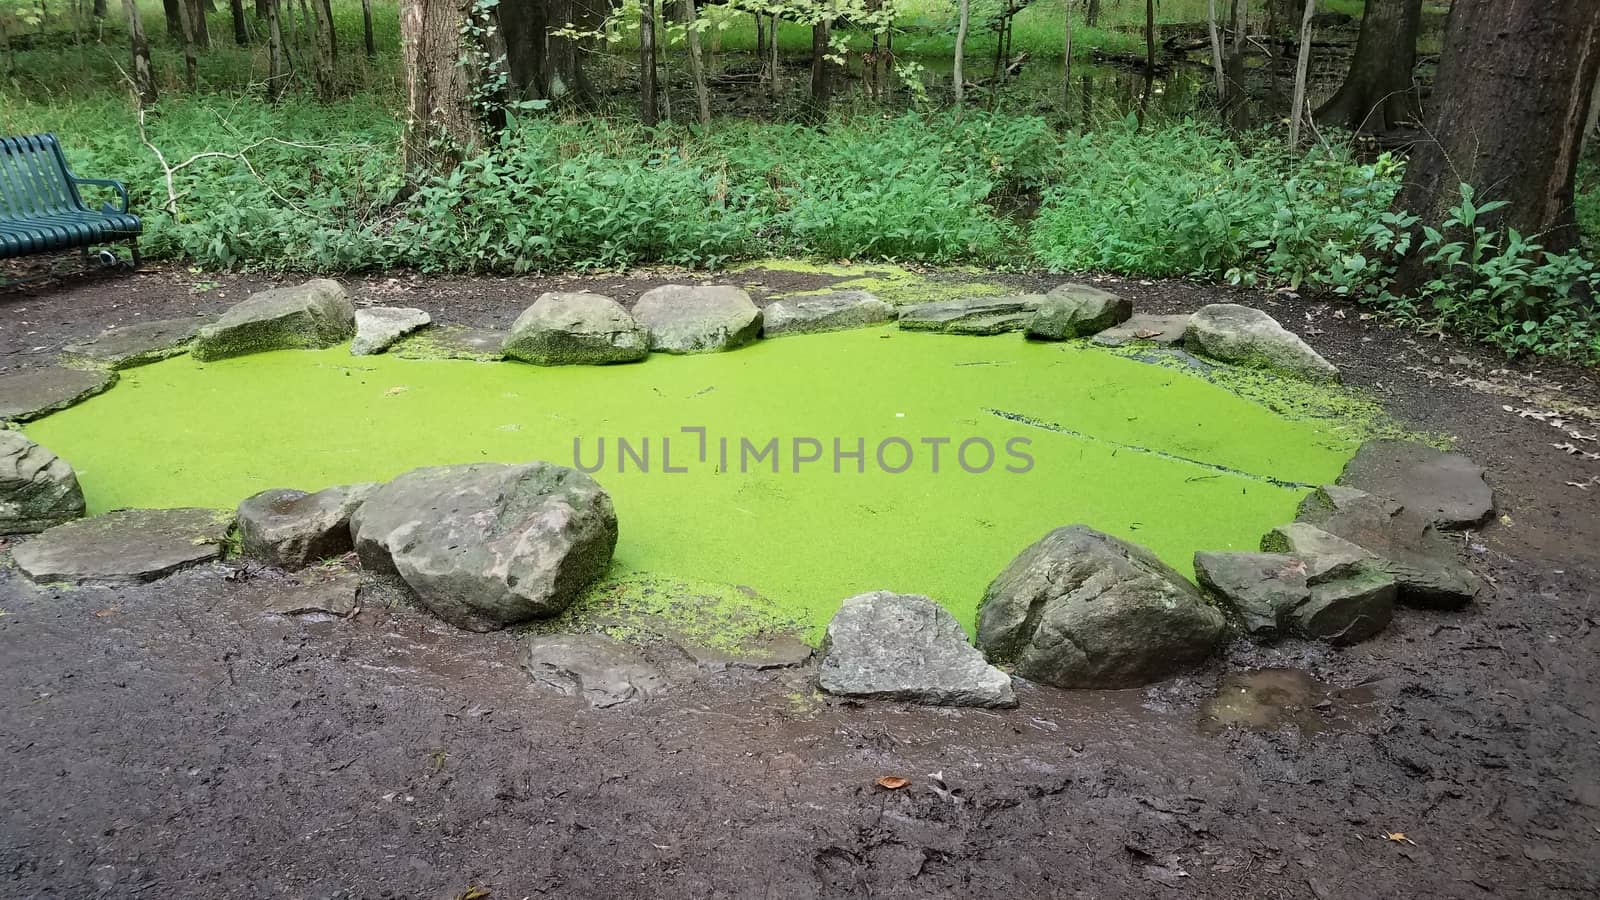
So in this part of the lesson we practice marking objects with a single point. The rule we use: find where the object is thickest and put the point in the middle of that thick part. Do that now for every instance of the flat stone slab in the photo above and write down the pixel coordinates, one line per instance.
(698, 319)
(1248, 337)
(127, 545)
(832, 311)
(33, 393)
(973, 315)
(1167, 330)
(378, 327)
(38, 489)
(137, 343)
(886, 646)
(1446, 488)
(452, 342)
(602, 671)
(331, 593)
(782, 651)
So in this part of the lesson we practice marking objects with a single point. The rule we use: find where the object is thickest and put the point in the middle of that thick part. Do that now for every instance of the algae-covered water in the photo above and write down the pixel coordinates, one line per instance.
(182, 433)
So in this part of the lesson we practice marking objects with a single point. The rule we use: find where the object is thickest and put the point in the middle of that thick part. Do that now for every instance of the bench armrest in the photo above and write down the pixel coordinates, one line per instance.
(117, 186)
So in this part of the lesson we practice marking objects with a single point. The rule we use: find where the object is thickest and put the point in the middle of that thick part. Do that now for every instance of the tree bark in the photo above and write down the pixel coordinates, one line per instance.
(1216, 52)
(174, 19)
(241, 31)
(198, 26)
(1066, 54)
(1302, 68)
(1378, 94)
(821, 69)
(99, 9)
(1091, 16)
(647, 63)
(144, 80)
(333, 32)
(322, 66)
(440, 128)
(1513, 91)
(191, 74)
(697, 67)
(277, 74)
(366, 29)
(958, 76)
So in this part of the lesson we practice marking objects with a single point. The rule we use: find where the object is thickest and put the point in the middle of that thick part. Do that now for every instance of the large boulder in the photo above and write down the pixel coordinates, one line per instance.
(603, 671)
(378, 327)
(485, 545)
(32, 393)
(1349, 598)
(562, 329)
(972, 315)
(306, 316)
(136, 343)
(1446, 488)
(37, 488)
(886, 646)
(1082, 609)
(698, 319)
(831, 311)
(1249, 337)
(1407, 544)
(127, 545)
(1077, 310)
(293, 529)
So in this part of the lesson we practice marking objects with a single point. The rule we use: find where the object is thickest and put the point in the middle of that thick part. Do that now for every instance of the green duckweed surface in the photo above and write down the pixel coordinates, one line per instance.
(1147, 452)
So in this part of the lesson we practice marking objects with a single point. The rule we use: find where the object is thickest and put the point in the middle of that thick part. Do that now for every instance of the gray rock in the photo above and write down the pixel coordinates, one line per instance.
(332, 593)
(1261, 589)
(562, 329)
(38, 489)
(378, 327)
(698, 319)
(128, 545)
(601, 670)
(832, 311)
(1077, 310)
(307, 316)
(1408, 546)
(1446, 488)
(293, 529)
(1145, 327)
(886, 646)
(1328, 557)
(972, 315)
(452, 342)
(1082, 609)
(32, 393)
(1347, 609)
(1249, 337)
(137, 343)
(485, 545)
(780, 651)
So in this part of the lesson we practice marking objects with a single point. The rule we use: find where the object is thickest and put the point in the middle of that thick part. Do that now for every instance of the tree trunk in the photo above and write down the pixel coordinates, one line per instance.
(144, 80)
(1282, 16)
(1378, 94)
(1514, 86)
(198, 27)
(1592, 125)
(263, 8)
(1091, 15)
(957, 76)
(1302, 68)
(697, 67)
(99, 9)
(772, 62)
(821, 69)
(241, 31)
(1216, 52)
(174, 20)
(366, 29)
(1066, 54)
(333, 32)
(647, 63)
(191, 74)
(277, 75)
(322, 66)
(440, 128)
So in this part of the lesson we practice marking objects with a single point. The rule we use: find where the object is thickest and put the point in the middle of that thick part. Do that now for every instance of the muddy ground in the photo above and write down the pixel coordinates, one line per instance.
(170, 740)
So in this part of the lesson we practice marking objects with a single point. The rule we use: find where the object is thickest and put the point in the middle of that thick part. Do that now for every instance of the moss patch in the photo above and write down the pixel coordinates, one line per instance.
(1150, 453)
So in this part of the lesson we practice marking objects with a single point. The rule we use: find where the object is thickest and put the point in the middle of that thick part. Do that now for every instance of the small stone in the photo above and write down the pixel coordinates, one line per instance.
(1446, 488)
(1167, 330)
(602, 671)
(293, 529)
(1077, 310)
(1082, 609)
(329, 593)
(1261, 589)
(32, 393)
(698, 319)
(128, 545)
(38, 489)
(378, 327)
(832, 311)
(885, 646)
(1249, 337)
(562, 329)
(306, 316)
(972, 315)
(136, 343)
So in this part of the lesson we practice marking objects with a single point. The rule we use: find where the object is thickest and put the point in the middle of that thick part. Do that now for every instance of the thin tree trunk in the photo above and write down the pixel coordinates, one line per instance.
(99, 9)
(277, 72)
(1091, 15)
(1216, 52)
(772, 49)
(241, 31)
(1066, 54)
(1592, 124)
(1150, 36)
(366, 28)
(144, 80)
(821, 70)
(1301, 69)
(958, 77)
(199, 27)
(440, 127)
(322, 61)
(263, 8)
(1512, 95)
(697, 68)
(647, 62)
(1379, 94)
(333, 33)
(174, 19)
(191, 74)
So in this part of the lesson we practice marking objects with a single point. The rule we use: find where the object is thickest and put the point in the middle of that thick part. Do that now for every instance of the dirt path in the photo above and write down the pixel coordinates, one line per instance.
(170, 741)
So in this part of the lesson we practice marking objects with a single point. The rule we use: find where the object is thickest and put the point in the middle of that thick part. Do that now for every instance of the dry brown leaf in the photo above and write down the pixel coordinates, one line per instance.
(893, 782)
(1399, 837)
(103, 613)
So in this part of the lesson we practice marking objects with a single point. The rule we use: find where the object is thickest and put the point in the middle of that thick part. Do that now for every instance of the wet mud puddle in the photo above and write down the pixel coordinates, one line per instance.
(1270, 699)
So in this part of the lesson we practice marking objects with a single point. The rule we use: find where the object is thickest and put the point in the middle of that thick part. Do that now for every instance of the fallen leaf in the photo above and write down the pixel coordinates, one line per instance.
(474, 893)
(1145, 333)
(1399, 837)
(893, 782)
(103, 613)
(397, 389)
(1505, 520)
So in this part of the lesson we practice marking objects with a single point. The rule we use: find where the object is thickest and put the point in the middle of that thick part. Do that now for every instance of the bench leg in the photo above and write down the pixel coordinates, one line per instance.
(133, 244)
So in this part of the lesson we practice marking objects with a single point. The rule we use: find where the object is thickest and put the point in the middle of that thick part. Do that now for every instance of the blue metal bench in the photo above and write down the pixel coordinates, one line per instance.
(41, 210)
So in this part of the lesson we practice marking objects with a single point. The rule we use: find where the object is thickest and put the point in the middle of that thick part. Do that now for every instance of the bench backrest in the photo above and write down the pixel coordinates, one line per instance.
(33, 178)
